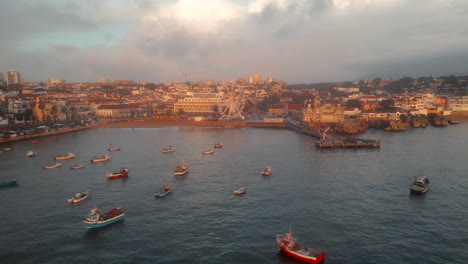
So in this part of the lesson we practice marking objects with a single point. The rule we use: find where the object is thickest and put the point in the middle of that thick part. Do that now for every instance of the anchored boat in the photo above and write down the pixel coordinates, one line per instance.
(181, 169)
(165, 190)
(122, 173)
(266, 171)
(420, 185)
(218, 145)
(288, 244)
(101, 159)
(96, 219)
(5, 183)
(77, 167)
(240, 191)
(211, 151)
(31, 154)
(170, 149)
(65, 157)
(53, 166)
(79, 196)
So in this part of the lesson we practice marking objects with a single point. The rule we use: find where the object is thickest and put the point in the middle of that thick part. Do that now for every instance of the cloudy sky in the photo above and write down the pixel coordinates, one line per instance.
(295, 40)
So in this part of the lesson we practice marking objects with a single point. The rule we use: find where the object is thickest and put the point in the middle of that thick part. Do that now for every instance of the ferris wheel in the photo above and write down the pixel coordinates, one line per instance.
(232, 106)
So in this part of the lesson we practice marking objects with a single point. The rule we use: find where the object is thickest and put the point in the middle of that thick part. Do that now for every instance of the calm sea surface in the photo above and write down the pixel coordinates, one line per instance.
(355, 202)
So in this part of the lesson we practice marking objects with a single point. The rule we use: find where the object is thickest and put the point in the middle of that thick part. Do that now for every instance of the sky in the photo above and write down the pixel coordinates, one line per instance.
(300, 41)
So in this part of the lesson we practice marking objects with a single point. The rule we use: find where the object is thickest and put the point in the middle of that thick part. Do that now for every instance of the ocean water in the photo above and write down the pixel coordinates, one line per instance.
(355, 203)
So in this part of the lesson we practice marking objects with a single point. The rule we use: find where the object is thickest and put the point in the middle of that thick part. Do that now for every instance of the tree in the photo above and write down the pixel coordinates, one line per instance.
(108, 88)
(168, 112)
(161, 107)
(216, 110)
(387, 104)
(54, 111)
(180, 112)
(353, 103)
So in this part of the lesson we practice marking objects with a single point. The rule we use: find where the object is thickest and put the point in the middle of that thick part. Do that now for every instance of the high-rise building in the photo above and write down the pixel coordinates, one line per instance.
(257, 77)
(13, 77)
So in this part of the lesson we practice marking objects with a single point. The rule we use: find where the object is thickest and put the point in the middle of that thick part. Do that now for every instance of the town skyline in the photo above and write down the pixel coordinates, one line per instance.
(301, 41)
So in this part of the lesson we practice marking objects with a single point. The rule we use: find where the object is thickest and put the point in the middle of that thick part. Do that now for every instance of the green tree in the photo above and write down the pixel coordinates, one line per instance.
(180, 112)
(353, 103)
(168, 112)
(54, 111)
(387, 104)
(216, 110)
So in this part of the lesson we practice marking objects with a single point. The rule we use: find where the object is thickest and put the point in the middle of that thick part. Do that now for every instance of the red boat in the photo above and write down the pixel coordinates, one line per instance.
(35, 142)
(122, 173)
(288, 244)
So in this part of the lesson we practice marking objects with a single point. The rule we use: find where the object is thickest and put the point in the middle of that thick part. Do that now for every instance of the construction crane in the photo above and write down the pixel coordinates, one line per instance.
(187, 73)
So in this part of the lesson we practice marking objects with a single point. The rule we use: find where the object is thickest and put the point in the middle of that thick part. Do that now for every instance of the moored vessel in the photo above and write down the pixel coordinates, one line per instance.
(211, 151)
(266, 171)
(114, 149)
(101, 159)
(289, 245)
(165, 190)
(53, 166)
(5, 183)
(240, 191)
(77, 167)
(31, 154)
(96, 219)
(181, 169)
(79, 196)
(169, 149)
(420, 185)
(122, 173)
(65, 157)
(218, 145)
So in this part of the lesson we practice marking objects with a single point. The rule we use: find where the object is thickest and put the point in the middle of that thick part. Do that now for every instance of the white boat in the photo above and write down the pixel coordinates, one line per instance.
(65, 157)
(240, 191)
(77, 167)
(165, 190)
(181, 169)
(211, 151)
(31, 154)
(266, 171)
(101, 159)
(170, 149)
(218, 145)
(114, 149)
(79, 196)
(56, 165)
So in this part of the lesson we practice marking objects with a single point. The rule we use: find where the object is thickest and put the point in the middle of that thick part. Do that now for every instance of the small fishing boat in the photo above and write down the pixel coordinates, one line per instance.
(266, 171)
(6, 149)
(170, 149)
(288, 244)
(77, 167)
(53, 166)
(181, 169)
(79, 196)
(122, 173)
(5, 183)
(240, 191)
(31, 154)
(101, 159)
(35, 142)
(96, 219)
(113, 148)
(420, 185)
(211, 151)
(218, 145)
(65, 157)
(165, 190)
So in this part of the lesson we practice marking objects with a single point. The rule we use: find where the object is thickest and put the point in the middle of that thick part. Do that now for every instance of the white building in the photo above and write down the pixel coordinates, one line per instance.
(200, 104)
(13, 77)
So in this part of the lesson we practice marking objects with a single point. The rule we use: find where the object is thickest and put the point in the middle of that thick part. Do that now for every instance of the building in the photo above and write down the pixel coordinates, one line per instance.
(314, 111)
(13, 77)
(1, 77)
(115, 111)
(458, 103)
(285, 110)
(257, 78)
(103, 80)
(198, 104)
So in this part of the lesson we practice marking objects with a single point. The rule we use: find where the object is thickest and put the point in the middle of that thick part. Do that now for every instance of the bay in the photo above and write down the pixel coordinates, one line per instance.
(356, 201)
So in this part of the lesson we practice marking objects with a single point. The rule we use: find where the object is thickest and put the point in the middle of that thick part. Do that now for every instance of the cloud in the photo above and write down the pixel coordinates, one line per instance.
(296, 40)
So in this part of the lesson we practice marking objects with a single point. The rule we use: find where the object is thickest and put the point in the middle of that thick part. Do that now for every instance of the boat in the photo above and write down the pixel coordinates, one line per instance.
(266, 171)
(65, 157)
(96, 219)
(240, 191)
(5, 183)
(113, 148)
(453, 122)
(218, 145)
(170, 149)
(420, 185)
(165, 190)
(35, 142)
(6, 149)
(211, 151)
(181, 169)
(122, 173)
(77, 167)
(101, 159)
(31, 154)
(289, 245)
(53, 166)
(79, 196)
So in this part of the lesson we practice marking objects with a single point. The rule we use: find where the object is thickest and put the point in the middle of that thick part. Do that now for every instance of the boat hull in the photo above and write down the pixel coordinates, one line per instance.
(98, 224)
(180, 173)
(308, 259)
(120, 175)
(418, 191)
(162, 194)
(9, 183)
